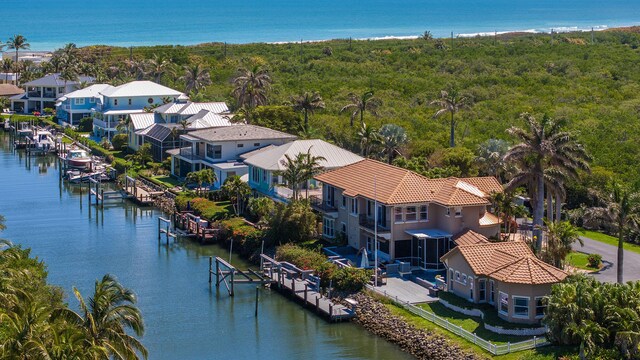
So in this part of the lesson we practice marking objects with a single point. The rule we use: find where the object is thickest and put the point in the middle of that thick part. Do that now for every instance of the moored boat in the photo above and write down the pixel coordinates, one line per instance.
(77, 158)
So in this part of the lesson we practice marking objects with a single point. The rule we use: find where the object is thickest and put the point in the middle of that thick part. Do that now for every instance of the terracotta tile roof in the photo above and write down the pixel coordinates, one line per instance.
(510, 262)
(395, 185)
(528, 270)
(489, 219)
(469, 237)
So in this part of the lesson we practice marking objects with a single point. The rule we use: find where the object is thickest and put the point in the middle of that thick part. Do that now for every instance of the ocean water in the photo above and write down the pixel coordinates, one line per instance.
(49, 24)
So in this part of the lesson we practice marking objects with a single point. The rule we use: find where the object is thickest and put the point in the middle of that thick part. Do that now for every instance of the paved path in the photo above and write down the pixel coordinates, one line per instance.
(609, 255)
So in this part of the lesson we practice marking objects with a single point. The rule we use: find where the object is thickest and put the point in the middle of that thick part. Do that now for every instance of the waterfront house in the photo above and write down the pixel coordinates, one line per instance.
(78, 104)
(119, 102)
(8, 90)
(42, 93)
(506, 275)
(416, 216)
(138, 122)
(264, 165)
(221, 148)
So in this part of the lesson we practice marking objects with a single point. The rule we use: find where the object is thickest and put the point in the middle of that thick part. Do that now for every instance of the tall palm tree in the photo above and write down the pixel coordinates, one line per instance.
(590, 334)
(251, 87)
(620, 210)
(293, 173)
(157, 67)
(490, 156)
(201, 177)
(237, 190)
(393, 137)
(451, 102)
(108, 317)
(369, 139)
(307, 103)
(17, 43)
(361, 104)
(544, 156)
(310, 168)
(195, 78)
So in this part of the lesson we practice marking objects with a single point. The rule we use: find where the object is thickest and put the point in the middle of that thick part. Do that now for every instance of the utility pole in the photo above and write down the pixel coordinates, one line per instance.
(130, 53)
(495, 37)
(349, 43)
(300, 50)
(452, 39)
(551, 36)
(225, 49)
(592, 39)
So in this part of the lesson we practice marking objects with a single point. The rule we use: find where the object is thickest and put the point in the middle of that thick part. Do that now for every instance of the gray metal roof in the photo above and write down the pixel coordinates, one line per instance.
(54, 80)
(240, 132)
(142, 120)
(158, 132)
(192, 108)
(274, 159)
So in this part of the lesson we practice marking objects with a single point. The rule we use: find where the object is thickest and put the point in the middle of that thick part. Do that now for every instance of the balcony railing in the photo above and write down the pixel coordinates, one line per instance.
(33, 94)
(319, 204)
(104, 124)
(188, 154)
(369, 223)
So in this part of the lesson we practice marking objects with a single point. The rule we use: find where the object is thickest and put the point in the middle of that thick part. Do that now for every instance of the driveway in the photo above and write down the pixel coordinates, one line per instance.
(609, 255)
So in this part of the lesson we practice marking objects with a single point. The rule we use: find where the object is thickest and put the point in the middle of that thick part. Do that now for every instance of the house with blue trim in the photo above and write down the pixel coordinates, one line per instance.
(79, 104)
(130, 98)
(265, 165)
(42, 93)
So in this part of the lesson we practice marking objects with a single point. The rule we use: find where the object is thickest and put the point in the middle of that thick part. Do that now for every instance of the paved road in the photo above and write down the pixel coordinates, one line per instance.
(609, 255)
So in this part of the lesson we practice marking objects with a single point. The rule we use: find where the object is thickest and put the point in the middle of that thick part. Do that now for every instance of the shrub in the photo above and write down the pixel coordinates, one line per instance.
(247, 239)
(351, 279)
(594, 260)
(119, 141)
(300, 257)
(210, 210)
(85, 124)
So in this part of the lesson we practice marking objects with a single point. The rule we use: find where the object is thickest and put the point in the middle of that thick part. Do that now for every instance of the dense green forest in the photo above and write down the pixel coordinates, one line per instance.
(593, 87)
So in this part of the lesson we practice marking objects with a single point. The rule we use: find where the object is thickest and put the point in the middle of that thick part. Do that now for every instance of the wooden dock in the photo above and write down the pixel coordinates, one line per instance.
(137, 193)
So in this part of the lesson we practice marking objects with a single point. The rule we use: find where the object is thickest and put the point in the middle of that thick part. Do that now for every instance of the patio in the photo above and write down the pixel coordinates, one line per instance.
(404, 290)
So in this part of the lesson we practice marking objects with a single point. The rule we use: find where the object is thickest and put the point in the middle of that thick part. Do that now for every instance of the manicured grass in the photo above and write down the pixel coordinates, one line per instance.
(608, 239)
(167, 181)
(579, 260)
(542, 353)
(471, 324)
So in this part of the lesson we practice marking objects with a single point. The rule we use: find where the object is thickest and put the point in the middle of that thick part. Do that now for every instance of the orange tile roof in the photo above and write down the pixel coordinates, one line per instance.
(469, 237)
(510, 262)
(528, 270)
(396, 185)
(489, 219)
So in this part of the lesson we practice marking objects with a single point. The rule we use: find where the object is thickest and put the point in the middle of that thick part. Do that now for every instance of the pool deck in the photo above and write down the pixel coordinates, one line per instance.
(405, 291)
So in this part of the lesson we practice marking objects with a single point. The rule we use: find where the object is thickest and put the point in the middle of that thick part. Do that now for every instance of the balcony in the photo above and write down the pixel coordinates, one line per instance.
(104, 124)
(318, 204)
(187, 153)
(369, 224)
(33, 94)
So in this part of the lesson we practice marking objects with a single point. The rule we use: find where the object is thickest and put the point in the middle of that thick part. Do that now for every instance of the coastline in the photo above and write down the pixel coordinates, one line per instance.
(532, 31)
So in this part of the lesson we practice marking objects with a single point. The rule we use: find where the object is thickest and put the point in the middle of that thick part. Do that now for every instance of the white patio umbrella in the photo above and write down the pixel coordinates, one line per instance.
(364, 261)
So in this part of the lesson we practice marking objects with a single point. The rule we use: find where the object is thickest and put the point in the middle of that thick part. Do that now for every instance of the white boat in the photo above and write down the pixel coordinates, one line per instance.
(77, 158)
(43, 140)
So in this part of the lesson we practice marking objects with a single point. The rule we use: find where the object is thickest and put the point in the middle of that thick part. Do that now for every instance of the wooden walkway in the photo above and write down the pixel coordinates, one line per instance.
(302, 287)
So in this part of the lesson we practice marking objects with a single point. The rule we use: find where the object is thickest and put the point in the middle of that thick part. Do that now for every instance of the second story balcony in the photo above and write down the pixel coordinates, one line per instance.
(368, 223)
(321, 205)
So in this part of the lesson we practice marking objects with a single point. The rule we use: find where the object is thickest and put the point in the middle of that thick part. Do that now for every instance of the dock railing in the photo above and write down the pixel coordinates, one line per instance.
(495, 349)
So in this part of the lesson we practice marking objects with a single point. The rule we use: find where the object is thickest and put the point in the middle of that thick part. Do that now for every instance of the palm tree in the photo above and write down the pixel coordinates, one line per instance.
(293, 173)
(451, 102)
(123, 124)
(491, 157)
(201, 177)
(236, 190)
(560, 237)
(195, 78)
(307, 103)
(590, 334)
(157, 67)
(545, 156)
(17, 43)
(620, 210)
(369, 139)
(251, 86)
(261, 207)
(360, 104)
(310, 167)
(7, 66)
(393, 137)
(108, 317)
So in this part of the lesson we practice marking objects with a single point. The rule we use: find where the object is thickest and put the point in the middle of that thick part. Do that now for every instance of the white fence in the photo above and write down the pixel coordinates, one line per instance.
(495, 349)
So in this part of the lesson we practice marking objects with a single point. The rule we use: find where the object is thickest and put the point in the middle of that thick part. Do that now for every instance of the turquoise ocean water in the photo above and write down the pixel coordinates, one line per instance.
(49, 24)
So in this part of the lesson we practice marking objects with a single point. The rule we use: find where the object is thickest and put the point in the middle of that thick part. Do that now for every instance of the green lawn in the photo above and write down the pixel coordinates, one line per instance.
(608, 239)
(542, 353)
(167, 181)
(579, 260)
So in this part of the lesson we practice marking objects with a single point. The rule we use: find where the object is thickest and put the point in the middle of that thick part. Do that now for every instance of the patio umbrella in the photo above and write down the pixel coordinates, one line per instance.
(364, 260)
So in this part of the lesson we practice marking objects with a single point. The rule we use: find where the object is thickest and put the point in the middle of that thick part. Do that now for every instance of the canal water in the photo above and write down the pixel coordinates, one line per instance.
(184, 317)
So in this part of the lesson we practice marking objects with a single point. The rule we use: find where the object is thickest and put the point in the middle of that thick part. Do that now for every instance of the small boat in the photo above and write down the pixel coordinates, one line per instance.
(43, 140)
(77, 158)
(6, 125)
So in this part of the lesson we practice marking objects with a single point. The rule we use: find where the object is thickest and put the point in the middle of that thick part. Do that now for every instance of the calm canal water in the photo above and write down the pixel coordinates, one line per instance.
(185, 319)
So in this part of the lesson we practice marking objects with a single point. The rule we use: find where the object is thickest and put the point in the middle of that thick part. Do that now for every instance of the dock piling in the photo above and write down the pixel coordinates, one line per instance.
(257, 294)
(210, 267)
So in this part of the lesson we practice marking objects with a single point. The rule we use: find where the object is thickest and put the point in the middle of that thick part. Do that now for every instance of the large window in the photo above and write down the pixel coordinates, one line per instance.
(482, 290)
(504, 303)
(540, 306)
(369, 208)
(492, 292)
(344, 202)
(424, 215)
(354, 206)
(410, 213)
(521, 306)
(214, 151)
(78, 101)
(398, 214)
(255, 174)
(328, 229)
